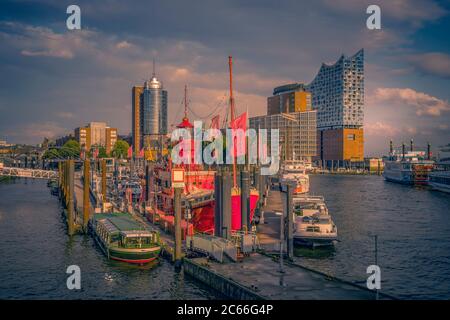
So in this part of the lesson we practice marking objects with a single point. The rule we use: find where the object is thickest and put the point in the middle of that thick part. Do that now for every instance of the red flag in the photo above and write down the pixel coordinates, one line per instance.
(215, 122)
(239, 139)
(130, 152)
(141, 153)
(240, 122)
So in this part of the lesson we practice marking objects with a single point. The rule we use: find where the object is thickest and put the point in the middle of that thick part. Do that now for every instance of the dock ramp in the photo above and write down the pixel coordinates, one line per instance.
(218, 248)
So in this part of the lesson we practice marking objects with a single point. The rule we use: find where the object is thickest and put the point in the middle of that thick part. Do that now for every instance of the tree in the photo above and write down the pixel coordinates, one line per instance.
(71, 149)
(51, 154)
(102, 152)
(120, 149)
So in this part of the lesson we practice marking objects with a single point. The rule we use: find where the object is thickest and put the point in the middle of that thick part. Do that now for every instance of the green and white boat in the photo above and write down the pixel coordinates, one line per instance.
(122, 238)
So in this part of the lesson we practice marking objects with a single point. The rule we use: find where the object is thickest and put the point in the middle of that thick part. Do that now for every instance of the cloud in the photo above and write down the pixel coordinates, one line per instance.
(412, 12)
(66, 115)
(423, 103)
(380, 129)
(123, 45)
(36, 130)
(432, 63)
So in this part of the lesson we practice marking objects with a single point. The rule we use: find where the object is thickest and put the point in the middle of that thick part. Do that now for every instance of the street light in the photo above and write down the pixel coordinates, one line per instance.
(281, 270)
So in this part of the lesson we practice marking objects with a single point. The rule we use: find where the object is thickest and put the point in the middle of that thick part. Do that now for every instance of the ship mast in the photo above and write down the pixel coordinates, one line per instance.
(186, 118)
(185, 101)
(230, 65)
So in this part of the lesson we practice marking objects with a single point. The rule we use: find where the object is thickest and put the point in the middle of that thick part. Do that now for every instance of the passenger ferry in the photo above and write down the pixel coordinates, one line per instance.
(439, 179)
(122, 238)
(408, 168)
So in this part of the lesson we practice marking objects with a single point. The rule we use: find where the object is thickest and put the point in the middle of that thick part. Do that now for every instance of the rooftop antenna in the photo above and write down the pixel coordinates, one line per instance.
(154, 69)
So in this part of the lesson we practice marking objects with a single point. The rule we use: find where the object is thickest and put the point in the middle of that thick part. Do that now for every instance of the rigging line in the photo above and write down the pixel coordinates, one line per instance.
(218, 106)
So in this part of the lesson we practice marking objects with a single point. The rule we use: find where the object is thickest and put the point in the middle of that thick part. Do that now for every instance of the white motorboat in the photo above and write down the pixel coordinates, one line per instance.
(316, 228)
(294, 172)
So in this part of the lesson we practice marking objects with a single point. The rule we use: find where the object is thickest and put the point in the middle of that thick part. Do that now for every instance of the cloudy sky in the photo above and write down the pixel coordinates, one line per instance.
(53, 79)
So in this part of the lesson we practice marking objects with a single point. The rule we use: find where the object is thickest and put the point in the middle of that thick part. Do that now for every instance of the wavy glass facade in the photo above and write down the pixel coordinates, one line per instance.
(338, 93)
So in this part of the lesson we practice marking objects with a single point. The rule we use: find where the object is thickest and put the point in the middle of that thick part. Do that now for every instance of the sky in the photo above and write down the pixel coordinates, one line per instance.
(53, 80)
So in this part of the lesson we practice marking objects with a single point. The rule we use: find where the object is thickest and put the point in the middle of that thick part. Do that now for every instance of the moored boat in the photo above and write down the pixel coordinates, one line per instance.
(122, 238)
(439, 178)
(410, 167)
(294, 172)
(315, 229)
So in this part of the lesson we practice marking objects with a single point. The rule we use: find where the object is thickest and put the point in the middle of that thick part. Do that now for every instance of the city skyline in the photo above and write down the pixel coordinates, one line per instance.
(74, 77)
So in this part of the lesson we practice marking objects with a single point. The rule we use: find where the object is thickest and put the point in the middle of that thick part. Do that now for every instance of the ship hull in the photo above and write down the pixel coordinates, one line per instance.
(314, 241)
(203, 217)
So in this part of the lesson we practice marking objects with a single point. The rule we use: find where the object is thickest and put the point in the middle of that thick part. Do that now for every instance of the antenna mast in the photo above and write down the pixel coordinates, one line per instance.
(230, 66)
(185, 101)
(154, 70)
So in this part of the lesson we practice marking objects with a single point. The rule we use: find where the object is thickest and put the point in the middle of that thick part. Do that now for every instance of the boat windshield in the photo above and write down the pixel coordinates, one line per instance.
(136, 242)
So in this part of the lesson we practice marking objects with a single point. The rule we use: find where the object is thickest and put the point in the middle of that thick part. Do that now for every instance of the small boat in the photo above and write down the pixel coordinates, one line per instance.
(294, 172)
(315, 229)
(122, 238)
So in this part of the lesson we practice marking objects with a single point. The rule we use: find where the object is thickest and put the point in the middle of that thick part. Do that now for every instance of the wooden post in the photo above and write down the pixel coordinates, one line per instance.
(70, 203)
(104, 180)
(86, 200)
(177, 207)
(290, 221)
(226, 204)
(59, 179)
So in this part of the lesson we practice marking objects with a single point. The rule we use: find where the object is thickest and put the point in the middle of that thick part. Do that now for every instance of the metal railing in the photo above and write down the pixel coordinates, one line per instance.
(28, 173)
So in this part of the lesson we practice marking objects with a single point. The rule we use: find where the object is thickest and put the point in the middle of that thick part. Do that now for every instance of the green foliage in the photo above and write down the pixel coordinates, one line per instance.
(71, 149)
(120, 149)
(51, 154)
(102, 152)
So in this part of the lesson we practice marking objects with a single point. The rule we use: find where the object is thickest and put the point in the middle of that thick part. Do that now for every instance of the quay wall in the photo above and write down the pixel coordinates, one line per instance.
(227, 287)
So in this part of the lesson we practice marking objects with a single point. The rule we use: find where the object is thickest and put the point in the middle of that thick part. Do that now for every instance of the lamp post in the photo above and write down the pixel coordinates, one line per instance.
(281, 269)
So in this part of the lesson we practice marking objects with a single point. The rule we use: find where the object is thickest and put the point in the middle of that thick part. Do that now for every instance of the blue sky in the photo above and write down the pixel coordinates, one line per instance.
(54, 80)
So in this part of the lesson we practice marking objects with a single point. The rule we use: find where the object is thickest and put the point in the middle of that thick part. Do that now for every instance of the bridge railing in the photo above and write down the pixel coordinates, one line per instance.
(28, 173)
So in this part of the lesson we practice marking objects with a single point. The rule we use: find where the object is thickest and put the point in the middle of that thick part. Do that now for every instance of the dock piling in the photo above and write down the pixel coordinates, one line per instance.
(86, 200)
(177, 207)
(103, 164)
(245, 200)
(288, 215)
(226, 204)
(70, 192)
(218, 203)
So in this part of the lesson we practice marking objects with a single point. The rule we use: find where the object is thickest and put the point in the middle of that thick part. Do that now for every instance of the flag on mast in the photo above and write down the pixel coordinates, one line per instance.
(215, 122)
(238, 127)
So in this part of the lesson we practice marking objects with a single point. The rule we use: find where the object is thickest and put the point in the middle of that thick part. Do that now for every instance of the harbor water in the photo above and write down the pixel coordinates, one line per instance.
(412, 225)
(413, 229)
(36, 251)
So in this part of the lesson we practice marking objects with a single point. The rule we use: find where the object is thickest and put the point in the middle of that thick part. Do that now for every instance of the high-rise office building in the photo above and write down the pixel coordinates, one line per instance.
(297, 133)
(337, 93)
(136, 126)
(149, 114)
(287, 100)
